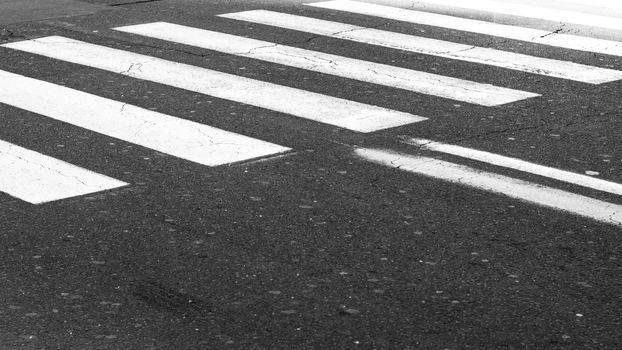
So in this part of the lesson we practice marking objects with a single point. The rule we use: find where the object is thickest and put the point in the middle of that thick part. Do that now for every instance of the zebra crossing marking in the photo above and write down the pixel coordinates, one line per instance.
(426, 83)
(175, 136)
(427, 46)
(529, 11)
(37, 178)
(517, 164)
(596, 3)
(519, 189)
(314, 106)
(537, 36)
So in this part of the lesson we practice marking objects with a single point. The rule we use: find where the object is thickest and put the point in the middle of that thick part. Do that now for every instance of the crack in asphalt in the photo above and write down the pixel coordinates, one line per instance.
(131, 67)
(48, 168)
(133, 3)
(556, 31)
(8, 35)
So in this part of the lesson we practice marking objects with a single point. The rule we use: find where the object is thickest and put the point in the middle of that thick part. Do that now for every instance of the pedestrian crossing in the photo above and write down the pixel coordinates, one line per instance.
(532, 11)
(433, 47)
(304, 104)
(536, 36)
(381, 74)
(175, 136)
(22, 169)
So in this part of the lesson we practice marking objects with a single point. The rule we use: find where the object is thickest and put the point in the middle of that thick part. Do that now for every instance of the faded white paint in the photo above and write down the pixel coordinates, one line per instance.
(520, 165)
(530, 11)
(557, 39)
(427, 46)
(36, 178)
(326, 109)
(179, 137)
(523, 190)
(609, 4)
(426, 83)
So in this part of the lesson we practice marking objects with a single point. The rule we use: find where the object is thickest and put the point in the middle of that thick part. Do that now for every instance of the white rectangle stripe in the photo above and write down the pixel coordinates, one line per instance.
(520, 165)
(36, 178)
(610, 4)
(514, 188)
(451, 50)
(326, 109)
(182, 138)
(432, 84)
(529, 11)
(537, 36)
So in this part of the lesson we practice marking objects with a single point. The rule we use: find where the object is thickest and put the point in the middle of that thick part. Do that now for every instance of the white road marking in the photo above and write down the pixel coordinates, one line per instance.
(481, 55)
(520, 165)
(610, 4)
(526, 191)
(36, 178)
(431, 84)
(529, 11)
(182, 138)
(326, 109)
(537, 36)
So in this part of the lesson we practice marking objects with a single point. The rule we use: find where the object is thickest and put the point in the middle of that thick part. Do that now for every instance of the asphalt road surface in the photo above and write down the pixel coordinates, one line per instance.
(388, 174)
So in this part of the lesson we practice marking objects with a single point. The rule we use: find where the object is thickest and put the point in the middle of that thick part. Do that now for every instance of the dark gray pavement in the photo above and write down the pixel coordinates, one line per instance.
(316, 249)
(15, 11)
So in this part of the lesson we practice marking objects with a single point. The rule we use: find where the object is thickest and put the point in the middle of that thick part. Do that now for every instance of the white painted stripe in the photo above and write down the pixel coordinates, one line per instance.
(432, 84)
(487, 56)
(520, 165)
(182, 138)
(326, 109)
(514, 188)
(537, 36)
(610, 4)
(529, 11)
(36, 178)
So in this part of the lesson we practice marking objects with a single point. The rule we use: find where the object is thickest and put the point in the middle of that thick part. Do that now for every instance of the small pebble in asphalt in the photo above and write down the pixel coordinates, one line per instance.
(350, 311)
